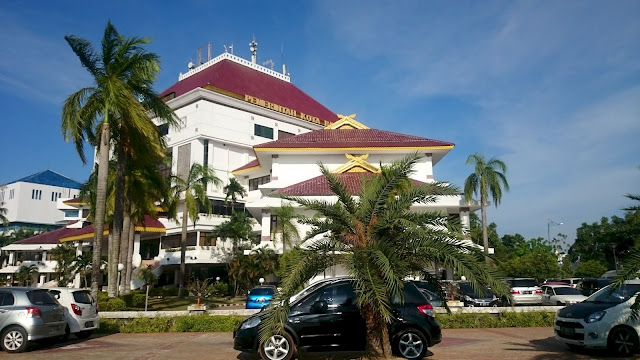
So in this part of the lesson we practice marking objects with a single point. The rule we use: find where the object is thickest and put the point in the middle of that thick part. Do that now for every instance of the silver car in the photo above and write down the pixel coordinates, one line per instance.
(28, 314)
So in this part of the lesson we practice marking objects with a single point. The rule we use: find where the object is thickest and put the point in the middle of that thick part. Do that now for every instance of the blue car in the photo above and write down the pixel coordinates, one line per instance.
(260, 296)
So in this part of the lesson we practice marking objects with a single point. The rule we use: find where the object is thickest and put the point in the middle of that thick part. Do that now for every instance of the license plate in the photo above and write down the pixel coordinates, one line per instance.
(566, 330)
(88, 324)
(527, 292)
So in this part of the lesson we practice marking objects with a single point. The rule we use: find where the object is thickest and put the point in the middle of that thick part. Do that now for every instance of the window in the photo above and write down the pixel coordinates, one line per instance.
(263, 131)
(6, 298)
(33, 193)
(274, 222)
(2, 196)
(41, 297)
(338, 296)
(163, 129)
(11, 193)
(284, 134)
(53, 196)
(253, 183)
(183, 121)
(71, 213)
(205, 159)
(85, 213)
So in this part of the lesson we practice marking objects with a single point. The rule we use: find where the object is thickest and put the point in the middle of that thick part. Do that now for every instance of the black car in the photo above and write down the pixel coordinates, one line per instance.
(590, 286)
(472, 298)
(326, 319)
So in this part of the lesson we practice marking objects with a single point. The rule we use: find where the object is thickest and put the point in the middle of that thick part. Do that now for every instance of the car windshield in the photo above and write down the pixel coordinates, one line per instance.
(566, 291)
(524, 283)
(261, 291)
(307, 291)
(615, 296)
(467, 289)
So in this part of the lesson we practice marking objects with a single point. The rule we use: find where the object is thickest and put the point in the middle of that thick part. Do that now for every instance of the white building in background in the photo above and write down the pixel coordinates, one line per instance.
(32, 202)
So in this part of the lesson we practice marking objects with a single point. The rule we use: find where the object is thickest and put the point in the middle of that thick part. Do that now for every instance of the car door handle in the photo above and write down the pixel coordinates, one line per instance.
(2, 311)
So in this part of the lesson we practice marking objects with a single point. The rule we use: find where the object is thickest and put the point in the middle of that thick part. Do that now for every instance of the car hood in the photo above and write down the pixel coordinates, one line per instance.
(581, 310)
(570, 297)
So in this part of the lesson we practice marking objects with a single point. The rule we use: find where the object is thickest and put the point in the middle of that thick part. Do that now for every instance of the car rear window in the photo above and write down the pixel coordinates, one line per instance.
(567, 291)
(411, 295)
(82, 297)
(41, 297)
(262, 291)
(524, 283)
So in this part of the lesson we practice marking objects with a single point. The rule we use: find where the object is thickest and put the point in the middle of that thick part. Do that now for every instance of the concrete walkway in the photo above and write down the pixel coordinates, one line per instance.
(476, 344)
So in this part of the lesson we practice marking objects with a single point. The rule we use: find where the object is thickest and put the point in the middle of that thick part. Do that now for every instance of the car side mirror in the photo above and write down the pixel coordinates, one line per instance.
(319, 307)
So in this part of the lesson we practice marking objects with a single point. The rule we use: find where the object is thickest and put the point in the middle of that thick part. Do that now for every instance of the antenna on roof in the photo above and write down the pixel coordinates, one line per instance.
(253, 47)
(231, 49)
(199, 56)
(208, 51)
(284, 66)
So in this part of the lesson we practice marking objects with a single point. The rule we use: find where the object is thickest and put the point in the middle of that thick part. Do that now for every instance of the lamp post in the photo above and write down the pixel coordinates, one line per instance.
(120, 268)
(615, 260)
(551, 223)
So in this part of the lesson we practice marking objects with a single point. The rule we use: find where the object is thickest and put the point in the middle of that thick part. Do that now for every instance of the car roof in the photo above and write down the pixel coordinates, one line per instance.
(557, 286)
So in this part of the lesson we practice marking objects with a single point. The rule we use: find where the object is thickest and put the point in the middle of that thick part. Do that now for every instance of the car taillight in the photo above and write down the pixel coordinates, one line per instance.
(515, 292)
(426, 309)
(33, 312)
(538, 291)
(76, 309)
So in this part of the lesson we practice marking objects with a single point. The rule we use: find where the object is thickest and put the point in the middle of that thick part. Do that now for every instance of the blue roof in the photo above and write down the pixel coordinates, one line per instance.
(49, 177)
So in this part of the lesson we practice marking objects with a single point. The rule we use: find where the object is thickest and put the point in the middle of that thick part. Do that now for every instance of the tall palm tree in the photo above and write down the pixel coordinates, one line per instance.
(380, 240)
(191, 192)
(488, 179)
(286, 225)
(3, 214)
(122, 76)
(232, 190)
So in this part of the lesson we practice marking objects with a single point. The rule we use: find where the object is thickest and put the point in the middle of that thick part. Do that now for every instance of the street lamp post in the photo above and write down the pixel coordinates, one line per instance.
(120, 268)
(551, 223)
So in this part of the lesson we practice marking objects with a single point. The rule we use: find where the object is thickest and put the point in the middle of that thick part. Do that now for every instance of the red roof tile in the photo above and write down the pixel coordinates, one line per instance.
(353, 138)
(149, 224)
(239, 79)
(319, 186)
(251, 164)
(50, 237)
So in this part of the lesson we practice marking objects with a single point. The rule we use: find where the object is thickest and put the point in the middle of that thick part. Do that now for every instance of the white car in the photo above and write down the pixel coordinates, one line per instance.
(525, 291)
(560, 295)
(602, 321)
(81, 311)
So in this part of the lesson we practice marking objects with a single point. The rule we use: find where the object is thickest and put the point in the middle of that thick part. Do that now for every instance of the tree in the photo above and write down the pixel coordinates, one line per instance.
(634, 197)
(232, 190)
(286, 225)
(26, 275)
(380, 240)
(82, 266)
(487, 180)
(591, 268)
(238, 228)
(149, 278)
(566, 270)
(193, 188)
(539, 263)
(65, 255)
(3, 214)
(245, 271)
(116, 104)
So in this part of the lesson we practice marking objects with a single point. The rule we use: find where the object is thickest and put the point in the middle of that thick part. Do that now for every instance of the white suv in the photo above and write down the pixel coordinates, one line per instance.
(81, 311)
(525, 291)
(602, 320)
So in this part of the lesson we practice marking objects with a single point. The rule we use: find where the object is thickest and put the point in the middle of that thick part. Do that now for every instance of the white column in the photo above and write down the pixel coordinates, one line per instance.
(44, 256)
(42, 280)
(76, 278)
(137, 259)
(465, 222)
(266, 225)
(11, 258)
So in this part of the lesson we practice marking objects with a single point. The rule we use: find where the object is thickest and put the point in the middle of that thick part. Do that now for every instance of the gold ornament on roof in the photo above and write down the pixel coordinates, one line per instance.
(346, 122)
(356, 164)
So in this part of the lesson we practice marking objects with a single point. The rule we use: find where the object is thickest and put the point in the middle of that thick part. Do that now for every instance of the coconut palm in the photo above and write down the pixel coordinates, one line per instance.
(3, 214)
(26, 275)
(119, 103)
(286, 225)
(232, 190)
(149, 278)
(488, 179)
(64, 255)
(238, 228)
(380, 240)
(82, 266)
(191, 192)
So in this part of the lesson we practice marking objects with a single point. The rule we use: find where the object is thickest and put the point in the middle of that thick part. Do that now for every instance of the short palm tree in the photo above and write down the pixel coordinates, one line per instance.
(488, 179)
(286, 225)
(118, 103)
(238, 228)
(191, 192)
(232, 190)
(82, 266)
(26, 275)
(3, 214)
(149, 278)
(380, 240)
(64, 255)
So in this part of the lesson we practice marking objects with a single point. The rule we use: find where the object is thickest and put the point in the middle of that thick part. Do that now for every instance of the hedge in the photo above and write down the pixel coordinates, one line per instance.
(227, 323)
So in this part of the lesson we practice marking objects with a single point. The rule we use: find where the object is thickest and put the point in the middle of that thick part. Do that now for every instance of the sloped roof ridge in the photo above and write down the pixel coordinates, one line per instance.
(41, 178)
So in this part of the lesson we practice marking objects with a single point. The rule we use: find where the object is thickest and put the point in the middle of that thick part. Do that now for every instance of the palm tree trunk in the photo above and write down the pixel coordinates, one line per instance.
(101, 197)
(131, 237)
(124, 252)
(485, 235)
(118, 219)
(378, 343)
(146, 301)
(183, 251)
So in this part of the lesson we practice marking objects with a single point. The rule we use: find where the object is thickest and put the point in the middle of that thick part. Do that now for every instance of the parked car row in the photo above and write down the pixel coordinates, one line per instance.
(32, 314)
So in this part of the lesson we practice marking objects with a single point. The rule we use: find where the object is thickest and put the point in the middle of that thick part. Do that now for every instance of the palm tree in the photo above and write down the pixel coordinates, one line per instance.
(232, 190)
(26, 275)
(122, 76)
(238, 228)
(193, 189)
(64, 255)
(82, 266)
(380, 240)
(148, 277)
(487, 180)
(634, 197)
(286, 225)
(3, 214)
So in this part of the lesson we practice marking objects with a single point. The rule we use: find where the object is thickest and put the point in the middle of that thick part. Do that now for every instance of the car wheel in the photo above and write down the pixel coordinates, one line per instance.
(14, 340)
(84, 334)
(67, 332)
(410, 344)
(277, 347)
(623, 341)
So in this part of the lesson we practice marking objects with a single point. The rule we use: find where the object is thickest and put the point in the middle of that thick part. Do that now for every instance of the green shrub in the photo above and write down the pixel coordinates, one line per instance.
(501, 320)
(199, 323)
(138, 300)
(113, 304)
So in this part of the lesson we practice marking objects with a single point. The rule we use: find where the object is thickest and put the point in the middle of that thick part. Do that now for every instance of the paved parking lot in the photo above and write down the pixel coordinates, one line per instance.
(476, 344)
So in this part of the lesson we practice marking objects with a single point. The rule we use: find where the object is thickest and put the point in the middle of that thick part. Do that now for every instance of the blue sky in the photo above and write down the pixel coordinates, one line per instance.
(551, 88)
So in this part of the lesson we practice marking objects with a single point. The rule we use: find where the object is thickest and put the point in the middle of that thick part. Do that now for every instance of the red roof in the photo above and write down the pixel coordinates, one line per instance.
(51, 237)
(74, 201)
(251, 164)
(319, 186)
(242, 80)
(150, 225)
(353, 138)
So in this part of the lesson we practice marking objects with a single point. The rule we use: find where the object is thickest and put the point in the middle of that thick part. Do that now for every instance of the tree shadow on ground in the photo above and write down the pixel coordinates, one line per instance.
(556, 350)
(48, 344)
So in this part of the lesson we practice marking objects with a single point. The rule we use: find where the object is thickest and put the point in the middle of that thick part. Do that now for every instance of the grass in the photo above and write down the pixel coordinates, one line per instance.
(174, 303)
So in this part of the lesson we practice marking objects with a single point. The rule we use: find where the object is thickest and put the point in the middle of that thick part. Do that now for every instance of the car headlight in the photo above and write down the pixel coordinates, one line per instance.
(596, 316)
(251, 322)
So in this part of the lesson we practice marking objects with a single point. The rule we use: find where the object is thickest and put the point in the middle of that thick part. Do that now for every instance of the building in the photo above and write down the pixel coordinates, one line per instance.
(32, 202)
